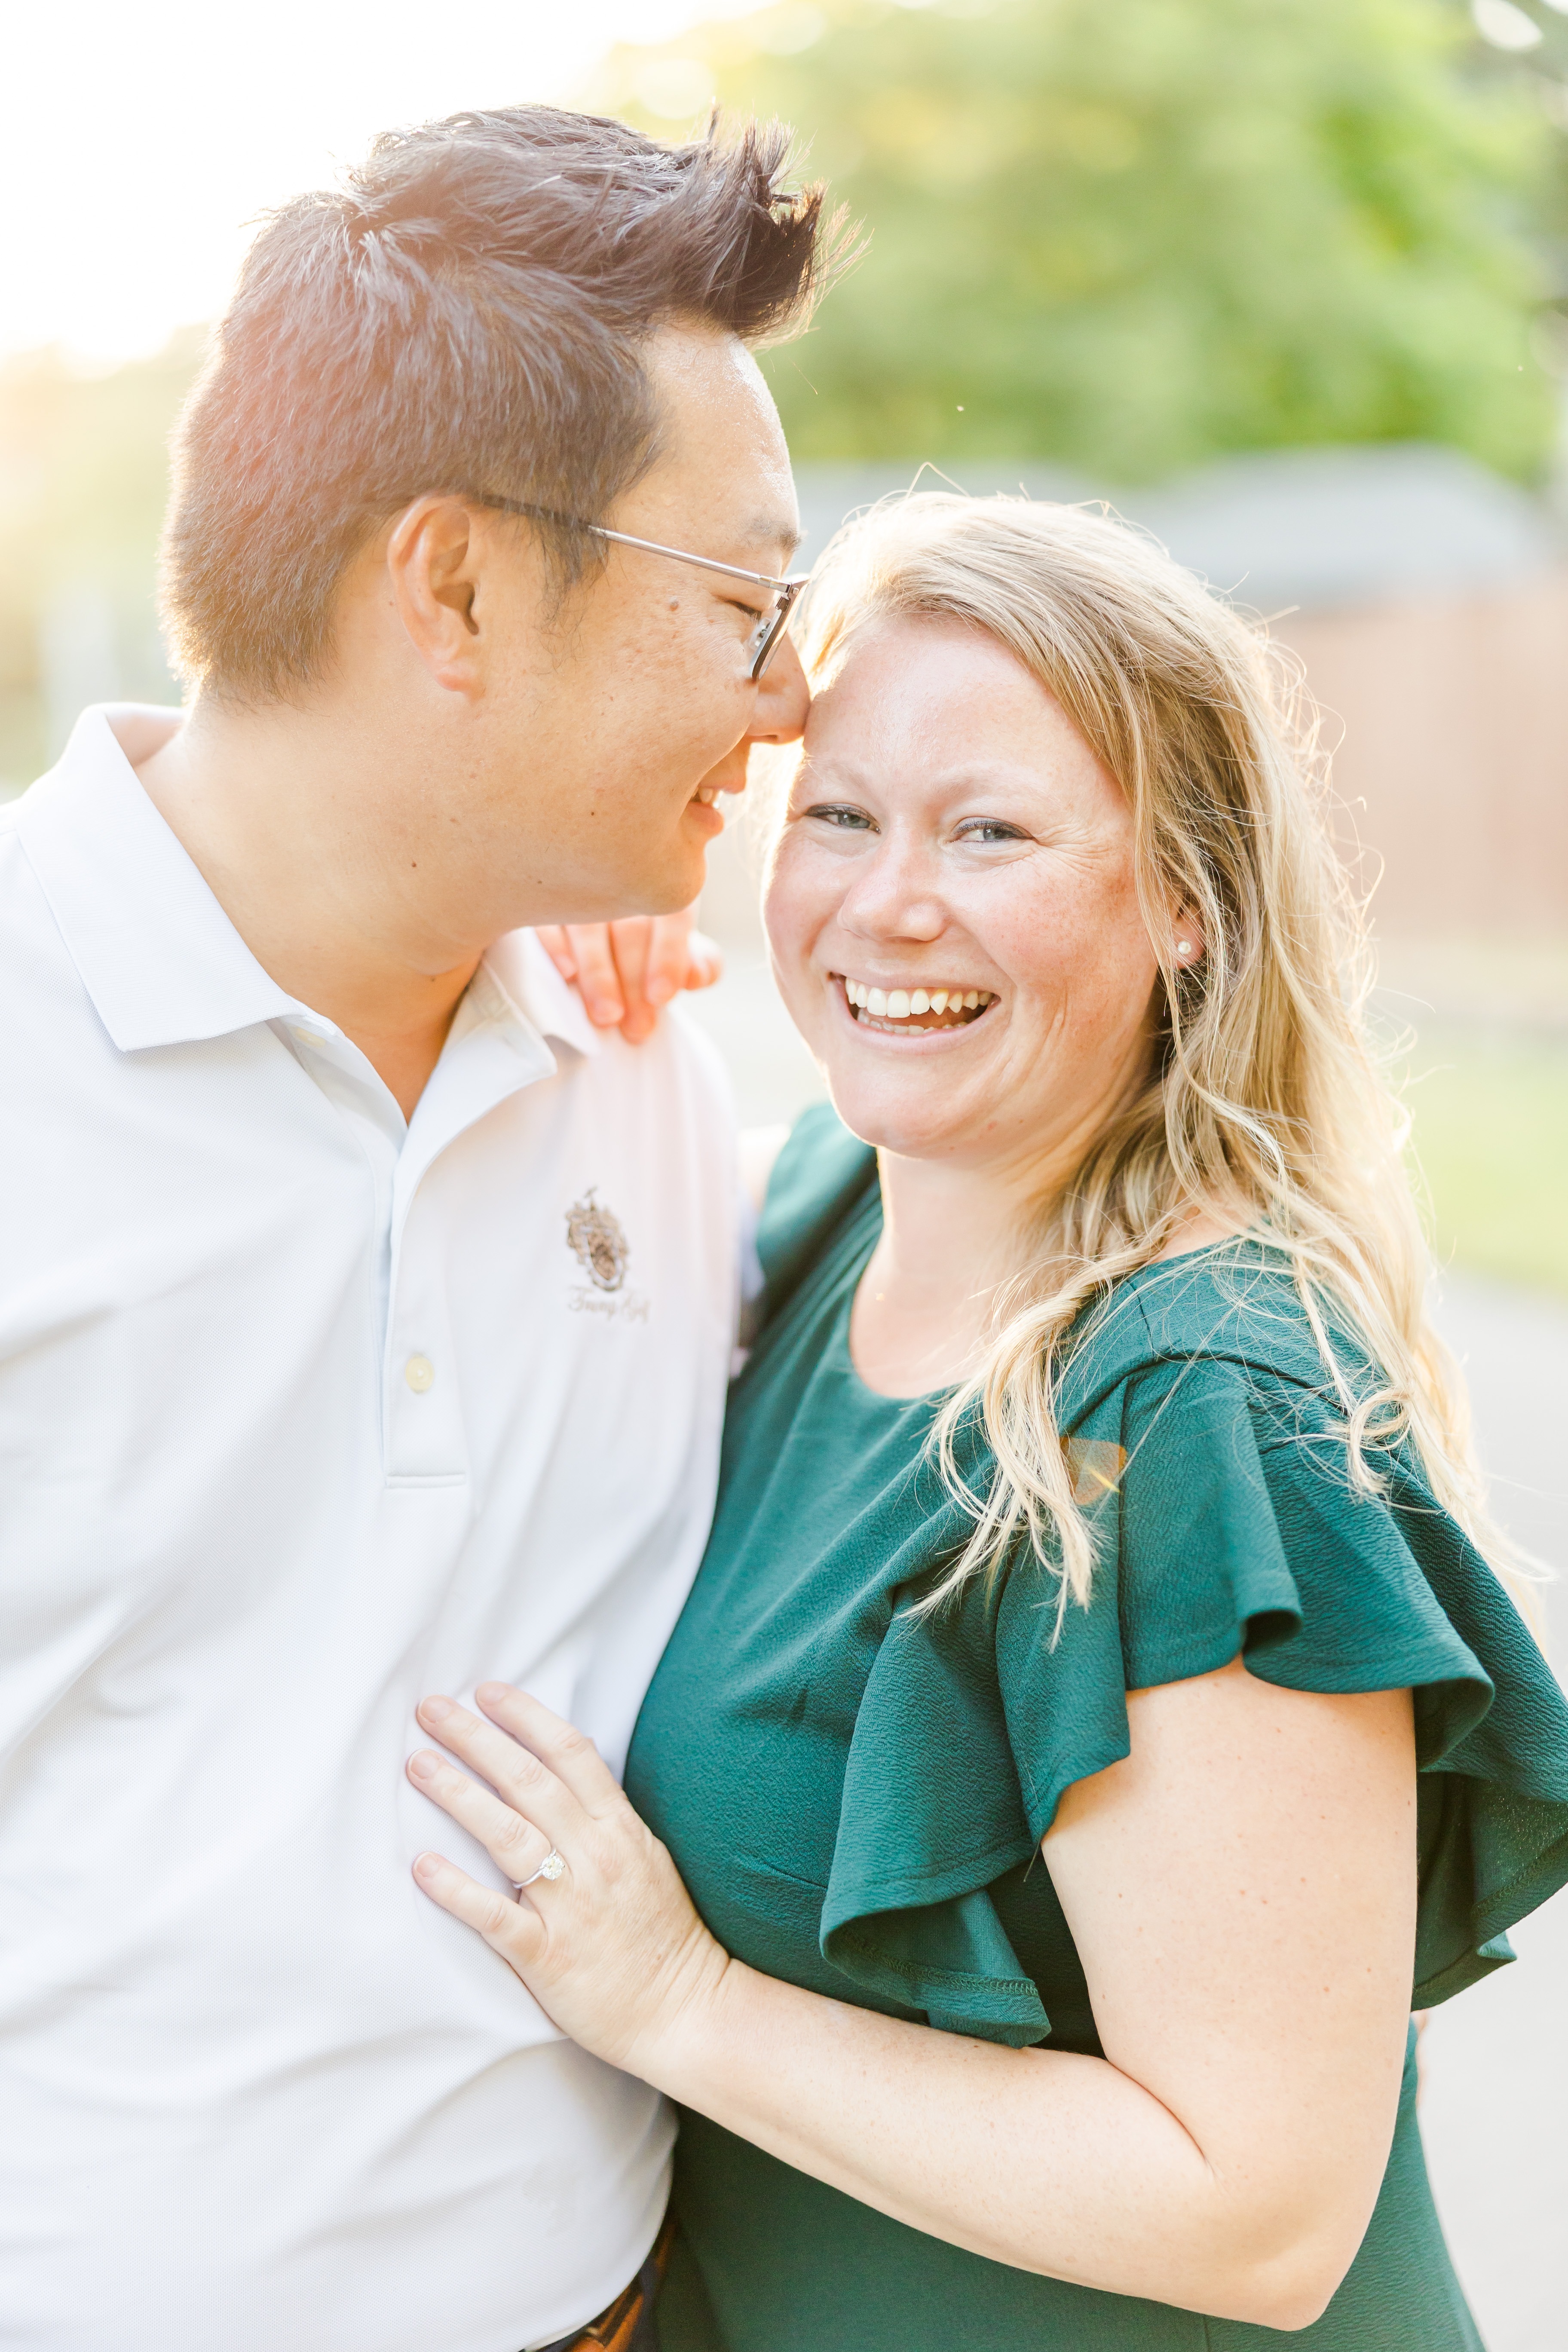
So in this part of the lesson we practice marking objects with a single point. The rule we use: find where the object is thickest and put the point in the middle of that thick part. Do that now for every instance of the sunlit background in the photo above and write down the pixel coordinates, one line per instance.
(1286, 280)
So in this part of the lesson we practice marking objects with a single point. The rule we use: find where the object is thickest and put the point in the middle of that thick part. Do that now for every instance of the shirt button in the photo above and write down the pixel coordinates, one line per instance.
(419, 1372)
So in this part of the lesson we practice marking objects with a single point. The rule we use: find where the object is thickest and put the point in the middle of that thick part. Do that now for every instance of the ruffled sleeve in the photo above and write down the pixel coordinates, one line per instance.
(1225, 1523)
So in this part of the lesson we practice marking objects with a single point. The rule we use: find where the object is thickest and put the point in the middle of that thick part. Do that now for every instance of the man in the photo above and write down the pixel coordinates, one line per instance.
(364, 1312)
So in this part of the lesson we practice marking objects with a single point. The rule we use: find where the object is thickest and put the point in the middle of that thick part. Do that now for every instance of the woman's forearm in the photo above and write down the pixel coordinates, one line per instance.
(1241, 1890)
(1042, 2159)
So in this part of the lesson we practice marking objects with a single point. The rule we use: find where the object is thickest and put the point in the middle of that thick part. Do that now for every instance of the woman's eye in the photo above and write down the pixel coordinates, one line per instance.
(990, 828)
(840, 814)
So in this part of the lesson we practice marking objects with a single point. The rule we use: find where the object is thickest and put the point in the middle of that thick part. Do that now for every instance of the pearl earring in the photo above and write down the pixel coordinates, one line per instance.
(1183, 947)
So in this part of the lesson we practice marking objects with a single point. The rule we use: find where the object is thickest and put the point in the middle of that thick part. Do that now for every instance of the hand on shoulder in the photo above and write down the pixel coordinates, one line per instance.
(627, 971)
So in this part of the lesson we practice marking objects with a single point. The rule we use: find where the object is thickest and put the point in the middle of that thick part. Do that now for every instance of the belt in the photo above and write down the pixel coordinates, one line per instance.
(627, 2324)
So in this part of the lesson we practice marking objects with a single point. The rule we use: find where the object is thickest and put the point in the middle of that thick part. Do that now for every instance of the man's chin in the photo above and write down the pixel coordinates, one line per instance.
(687, 872)
(677, 885)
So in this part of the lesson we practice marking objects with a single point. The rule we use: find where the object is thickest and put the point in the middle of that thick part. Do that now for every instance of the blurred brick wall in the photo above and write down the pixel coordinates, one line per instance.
(1451, 719)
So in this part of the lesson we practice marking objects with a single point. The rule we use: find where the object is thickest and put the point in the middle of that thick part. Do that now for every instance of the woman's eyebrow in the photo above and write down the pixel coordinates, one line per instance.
(970, 779)
(849, 772)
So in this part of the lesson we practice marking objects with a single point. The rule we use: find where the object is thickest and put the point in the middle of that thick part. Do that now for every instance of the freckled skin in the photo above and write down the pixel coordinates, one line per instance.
(949, 825)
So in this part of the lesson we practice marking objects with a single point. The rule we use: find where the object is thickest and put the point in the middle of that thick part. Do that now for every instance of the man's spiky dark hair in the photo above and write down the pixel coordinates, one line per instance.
(466, 314)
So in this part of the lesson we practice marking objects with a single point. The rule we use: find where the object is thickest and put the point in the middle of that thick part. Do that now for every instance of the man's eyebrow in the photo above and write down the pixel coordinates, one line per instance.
(769, 532)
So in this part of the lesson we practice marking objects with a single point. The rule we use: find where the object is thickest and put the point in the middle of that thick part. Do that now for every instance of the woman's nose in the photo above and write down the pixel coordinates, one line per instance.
(782, 698)
(890, 895)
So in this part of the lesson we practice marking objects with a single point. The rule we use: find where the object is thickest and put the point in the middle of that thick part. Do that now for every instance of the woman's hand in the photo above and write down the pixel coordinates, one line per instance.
(611, 1949)
(1242, 1889)
(627, 971)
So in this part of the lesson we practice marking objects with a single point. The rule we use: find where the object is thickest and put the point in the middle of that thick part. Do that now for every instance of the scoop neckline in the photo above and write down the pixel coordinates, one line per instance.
(933, 1398)
(930, 1398)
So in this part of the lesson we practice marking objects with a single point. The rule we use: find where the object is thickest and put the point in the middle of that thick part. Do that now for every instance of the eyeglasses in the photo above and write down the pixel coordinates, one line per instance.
(771, 626)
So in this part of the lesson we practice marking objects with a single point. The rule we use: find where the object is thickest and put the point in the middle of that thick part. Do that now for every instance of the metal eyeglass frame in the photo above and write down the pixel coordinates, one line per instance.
(772, 625)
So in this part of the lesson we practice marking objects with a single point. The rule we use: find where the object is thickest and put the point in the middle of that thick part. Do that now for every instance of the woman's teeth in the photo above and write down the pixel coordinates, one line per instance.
(952, 1006)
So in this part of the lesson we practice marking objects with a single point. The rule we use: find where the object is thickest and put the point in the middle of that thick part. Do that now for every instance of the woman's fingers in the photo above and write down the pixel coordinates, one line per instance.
(705, 961)
(513, 1843)
(612, 1949)
(517, 1775)
(593, 955)
(628, 969)
(656, 961)
(557, 945)
(632, 939)
(512, 1929)
(568, 1753)
(668, 961)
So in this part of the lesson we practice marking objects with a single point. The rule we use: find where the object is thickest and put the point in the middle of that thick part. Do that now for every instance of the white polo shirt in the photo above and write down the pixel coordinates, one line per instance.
(303, 1414)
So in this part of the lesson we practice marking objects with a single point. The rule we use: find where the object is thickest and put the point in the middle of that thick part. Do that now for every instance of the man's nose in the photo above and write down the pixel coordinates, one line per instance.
(784, 698)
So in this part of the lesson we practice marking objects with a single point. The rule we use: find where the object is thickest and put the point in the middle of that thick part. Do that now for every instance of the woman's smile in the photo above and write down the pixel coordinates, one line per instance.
(915, 1010)
(952, 884)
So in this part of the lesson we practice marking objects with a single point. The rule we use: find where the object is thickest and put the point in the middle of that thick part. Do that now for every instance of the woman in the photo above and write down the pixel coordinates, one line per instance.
(1096, 1711)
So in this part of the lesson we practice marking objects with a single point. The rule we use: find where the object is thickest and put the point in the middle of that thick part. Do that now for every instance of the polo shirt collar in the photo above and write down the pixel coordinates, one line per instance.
(157, 954)
(530, 984)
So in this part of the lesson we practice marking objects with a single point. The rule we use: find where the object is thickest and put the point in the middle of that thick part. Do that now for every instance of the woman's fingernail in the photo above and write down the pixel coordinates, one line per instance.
(492, 1694)
(436, 1710)
(426, 1865)
(424, 1765)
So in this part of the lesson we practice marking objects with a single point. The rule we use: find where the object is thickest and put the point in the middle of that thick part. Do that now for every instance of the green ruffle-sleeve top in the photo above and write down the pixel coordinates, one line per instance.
(856, 1797)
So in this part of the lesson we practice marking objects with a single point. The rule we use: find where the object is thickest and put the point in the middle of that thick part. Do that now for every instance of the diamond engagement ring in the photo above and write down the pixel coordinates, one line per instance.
(550, 1867)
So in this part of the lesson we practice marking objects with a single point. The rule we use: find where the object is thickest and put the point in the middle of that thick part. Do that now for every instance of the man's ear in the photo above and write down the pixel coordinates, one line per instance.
(433, 567)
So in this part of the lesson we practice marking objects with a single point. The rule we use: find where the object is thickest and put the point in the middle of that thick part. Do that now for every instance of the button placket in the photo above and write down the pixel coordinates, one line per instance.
(486, 1059)
(425, 1437)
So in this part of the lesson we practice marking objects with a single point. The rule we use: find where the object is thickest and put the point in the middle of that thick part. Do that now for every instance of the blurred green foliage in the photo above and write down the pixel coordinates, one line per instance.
(83, 477)
(1134, 238)
(1490, 1142)
(1126, 237)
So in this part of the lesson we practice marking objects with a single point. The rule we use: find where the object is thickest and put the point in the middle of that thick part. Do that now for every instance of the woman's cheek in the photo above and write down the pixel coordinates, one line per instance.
(794, 907)
(1080, 935)
(781, 918)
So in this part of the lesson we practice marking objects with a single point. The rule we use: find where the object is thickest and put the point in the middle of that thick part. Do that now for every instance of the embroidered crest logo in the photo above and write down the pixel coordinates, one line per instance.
(595, 1239)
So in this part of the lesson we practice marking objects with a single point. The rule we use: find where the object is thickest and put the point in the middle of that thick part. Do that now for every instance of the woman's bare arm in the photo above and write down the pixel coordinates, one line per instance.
(1241, 1891)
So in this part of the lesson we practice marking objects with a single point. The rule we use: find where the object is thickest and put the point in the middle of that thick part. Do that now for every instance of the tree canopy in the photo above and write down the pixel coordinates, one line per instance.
(1131, 238)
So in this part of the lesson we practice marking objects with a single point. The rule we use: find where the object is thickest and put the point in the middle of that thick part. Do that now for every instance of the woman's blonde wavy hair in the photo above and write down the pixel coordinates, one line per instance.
(1263, 1102)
